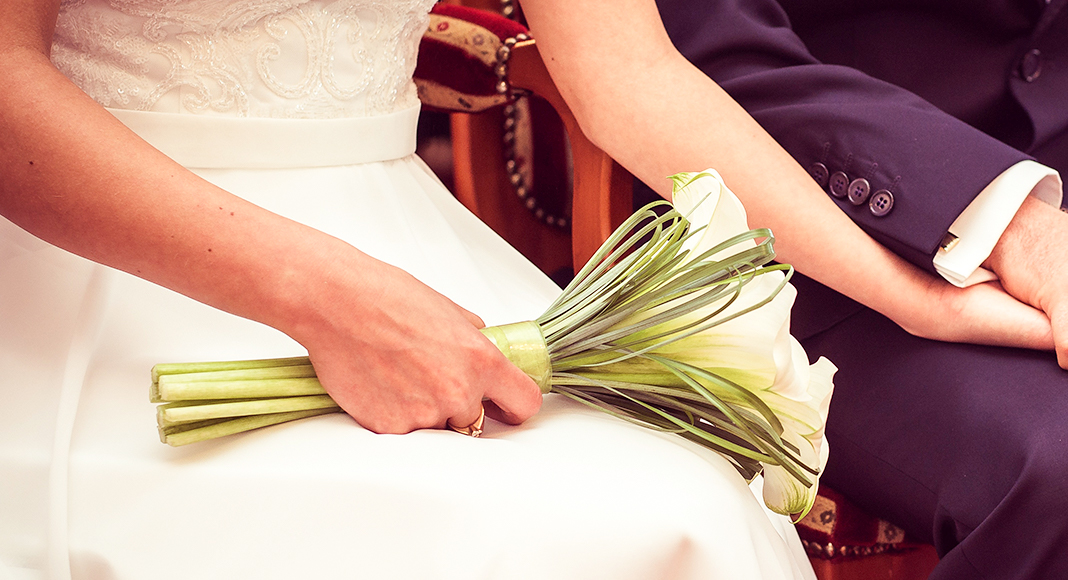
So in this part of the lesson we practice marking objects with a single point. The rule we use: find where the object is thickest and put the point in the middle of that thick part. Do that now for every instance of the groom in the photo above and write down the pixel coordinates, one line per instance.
(924, 122)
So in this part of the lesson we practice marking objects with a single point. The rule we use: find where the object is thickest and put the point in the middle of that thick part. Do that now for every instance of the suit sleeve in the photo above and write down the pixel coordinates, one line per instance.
(902, 169)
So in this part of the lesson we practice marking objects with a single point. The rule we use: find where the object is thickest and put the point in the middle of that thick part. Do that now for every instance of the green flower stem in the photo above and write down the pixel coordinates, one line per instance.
(228, 370)
(194, 433)
(192, 390)
(278, 372)
(200, 367)
(174, 413)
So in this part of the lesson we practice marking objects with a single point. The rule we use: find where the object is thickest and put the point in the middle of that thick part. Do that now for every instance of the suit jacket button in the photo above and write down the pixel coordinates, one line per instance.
(1031, 65)
(839, 184)
(820, 173)
(881, 203)
(858, 191)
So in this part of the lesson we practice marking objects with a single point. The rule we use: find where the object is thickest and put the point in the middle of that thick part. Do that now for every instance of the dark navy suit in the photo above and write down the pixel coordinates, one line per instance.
(923, 102)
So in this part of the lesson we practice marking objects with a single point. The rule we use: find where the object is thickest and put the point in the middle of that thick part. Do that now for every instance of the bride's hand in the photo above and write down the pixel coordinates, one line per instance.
(398, 356)
(979, 314)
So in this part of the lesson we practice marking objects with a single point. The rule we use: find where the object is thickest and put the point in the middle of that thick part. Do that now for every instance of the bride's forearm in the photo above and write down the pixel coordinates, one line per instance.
(77, 178)
(811, 232)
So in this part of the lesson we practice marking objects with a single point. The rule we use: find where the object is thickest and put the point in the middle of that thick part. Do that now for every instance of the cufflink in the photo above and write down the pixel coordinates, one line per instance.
(949, 242)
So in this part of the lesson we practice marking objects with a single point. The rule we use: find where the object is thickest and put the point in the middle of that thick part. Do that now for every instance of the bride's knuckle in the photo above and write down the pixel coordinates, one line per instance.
(482, 351)
(424, 414)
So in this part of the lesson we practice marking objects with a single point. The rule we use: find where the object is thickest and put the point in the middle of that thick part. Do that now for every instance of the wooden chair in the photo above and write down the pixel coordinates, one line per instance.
(843, 542)
(601, 193)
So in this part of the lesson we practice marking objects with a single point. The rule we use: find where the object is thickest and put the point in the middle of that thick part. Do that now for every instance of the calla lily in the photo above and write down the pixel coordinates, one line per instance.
(803, 423)
(799, 395)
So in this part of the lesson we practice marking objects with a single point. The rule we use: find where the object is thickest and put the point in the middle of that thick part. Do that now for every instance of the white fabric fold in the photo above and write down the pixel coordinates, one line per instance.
(87, 328)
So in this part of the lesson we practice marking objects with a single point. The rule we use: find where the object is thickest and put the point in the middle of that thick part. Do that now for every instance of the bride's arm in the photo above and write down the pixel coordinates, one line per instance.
(396, 355)
(643, 103)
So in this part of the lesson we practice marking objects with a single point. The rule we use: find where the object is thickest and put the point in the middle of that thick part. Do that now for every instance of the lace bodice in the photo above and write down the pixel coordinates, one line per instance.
(252, 58)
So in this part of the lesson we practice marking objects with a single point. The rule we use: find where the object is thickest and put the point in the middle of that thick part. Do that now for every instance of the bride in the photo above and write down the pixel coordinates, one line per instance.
(235, 179)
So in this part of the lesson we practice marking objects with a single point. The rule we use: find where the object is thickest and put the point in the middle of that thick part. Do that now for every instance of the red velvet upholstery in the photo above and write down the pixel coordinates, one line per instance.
(835, 528)
(459, 56)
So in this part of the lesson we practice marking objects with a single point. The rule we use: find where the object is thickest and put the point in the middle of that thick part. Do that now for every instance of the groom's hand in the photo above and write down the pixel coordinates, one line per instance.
(1032, 262)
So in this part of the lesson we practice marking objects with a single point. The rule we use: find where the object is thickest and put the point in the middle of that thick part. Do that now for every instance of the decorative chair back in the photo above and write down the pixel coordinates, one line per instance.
(495, 151)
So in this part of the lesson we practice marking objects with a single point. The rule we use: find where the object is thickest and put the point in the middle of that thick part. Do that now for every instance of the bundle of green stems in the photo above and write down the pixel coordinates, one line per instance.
(629, 336)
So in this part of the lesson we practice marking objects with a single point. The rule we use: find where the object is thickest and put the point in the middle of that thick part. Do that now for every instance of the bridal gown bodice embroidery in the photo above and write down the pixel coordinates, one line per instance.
(269, 58)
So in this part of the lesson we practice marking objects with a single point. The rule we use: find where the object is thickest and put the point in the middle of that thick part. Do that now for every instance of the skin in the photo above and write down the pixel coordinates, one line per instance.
(1033, 269)
(365, 323)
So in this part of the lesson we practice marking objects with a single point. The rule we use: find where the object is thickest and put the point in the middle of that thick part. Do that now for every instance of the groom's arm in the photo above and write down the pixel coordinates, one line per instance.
(845, 126)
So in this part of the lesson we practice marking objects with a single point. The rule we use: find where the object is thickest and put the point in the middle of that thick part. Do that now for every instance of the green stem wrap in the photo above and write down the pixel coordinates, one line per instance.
(524, 345)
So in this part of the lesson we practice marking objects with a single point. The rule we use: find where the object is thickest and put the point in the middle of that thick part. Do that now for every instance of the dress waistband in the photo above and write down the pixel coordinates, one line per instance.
(210, 142)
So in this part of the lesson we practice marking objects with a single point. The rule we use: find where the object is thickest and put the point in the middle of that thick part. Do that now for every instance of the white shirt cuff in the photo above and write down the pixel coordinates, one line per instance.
(979, 227)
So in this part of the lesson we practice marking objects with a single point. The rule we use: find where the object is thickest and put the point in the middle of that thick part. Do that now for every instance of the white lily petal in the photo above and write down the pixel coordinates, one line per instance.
(696, 195)
(791, 363)
(782, 492)
(785, 495)
(806, 417)
(706, 201)
(821, 384)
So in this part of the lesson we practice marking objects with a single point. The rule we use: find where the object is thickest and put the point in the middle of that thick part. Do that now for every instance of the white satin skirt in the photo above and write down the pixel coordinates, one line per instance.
(88, 491)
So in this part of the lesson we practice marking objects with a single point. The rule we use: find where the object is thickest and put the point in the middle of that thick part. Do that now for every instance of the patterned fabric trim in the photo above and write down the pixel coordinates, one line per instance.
(444, 98)
(463, 59)
(471, 38)
(835, 528)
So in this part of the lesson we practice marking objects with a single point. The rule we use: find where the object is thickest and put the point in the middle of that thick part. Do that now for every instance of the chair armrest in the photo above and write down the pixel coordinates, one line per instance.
(602, 197)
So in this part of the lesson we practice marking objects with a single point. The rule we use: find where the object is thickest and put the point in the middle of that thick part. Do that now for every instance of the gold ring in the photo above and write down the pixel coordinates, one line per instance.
(472, 430)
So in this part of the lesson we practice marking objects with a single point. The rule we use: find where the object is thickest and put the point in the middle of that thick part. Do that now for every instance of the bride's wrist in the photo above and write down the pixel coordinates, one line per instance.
(315, 285)
(915, 300)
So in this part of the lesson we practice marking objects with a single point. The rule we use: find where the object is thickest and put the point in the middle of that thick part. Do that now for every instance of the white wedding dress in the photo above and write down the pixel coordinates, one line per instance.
(307, 108)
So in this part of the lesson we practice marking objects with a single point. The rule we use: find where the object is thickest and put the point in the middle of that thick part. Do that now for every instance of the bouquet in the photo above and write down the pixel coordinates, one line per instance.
(679, 323)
